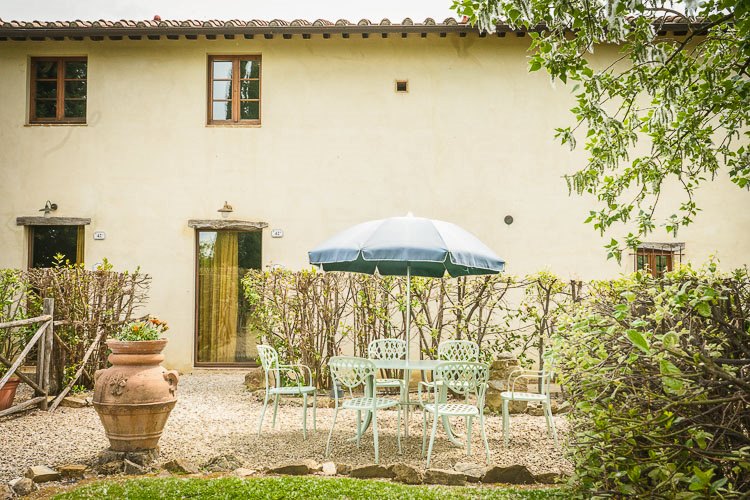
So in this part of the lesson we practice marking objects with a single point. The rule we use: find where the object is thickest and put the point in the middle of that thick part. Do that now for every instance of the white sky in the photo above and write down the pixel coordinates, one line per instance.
(352, 10)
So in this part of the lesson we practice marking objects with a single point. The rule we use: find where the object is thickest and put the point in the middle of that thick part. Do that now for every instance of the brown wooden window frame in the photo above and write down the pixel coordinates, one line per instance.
(650, 255)
(60, 90)
(236, 100)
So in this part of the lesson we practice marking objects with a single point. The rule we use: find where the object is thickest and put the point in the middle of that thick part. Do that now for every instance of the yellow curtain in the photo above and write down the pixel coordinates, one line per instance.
(218, 296)
(79, 244)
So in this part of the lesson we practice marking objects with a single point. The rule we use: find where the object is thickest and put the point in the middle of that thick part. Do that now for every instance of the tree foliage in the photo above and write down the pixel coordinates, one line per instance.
(658, 373)
(671, 109)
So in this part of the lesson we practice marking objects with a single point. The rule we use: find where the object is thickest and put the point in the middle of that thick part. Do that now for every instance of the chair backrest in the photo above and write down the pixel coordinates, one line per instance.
(463, 377)
(269, 358)
(458, 350)
(387, 349)
(349, 371)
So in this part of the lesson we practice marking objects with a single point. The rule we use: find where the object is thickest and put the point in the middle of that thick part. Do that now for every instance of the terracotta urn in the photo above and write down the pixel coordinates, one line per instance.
(8, 392)
(135, 395)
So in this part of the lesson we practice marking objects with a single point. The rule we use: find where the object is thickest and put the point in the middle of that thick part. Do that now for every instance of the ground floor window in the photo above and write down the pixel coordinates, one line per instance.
(223, 334)
(658, 258)
(50, 245)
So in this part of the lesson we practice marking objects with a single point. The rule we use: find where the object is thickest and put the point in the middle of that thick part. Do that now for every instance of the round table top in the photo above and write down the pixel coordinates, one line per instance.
(403, 364)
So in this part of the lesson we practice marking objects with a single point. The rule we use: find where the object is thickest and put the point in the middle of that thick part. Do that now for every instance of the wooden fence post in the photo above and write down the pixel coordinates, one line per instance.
(48, 308)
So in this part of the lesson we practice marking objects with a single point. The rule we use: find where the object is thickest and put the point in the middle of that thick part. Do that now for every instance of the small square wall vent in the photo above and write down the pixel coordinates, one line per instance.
(402, 86)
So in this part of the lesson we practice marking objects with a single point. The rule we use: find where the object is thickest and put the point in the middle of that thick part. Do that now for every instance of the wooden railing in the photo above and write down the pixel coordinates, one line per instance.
(44, 337)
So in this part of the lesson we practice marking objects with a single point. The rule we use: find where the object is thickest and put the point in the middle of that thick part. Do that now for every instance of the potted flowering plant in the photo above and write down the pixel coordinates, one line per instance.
(135, 395)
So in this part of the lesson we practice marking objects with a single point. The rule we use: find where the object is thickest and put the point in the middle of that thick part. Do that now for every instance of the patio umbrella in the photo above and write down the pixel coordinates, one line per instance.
(407, 246)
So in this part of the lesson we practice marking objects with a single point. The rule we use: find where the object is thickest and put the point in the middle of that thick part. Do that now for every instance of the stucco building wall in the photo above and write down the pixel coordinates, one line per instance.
(471, 142)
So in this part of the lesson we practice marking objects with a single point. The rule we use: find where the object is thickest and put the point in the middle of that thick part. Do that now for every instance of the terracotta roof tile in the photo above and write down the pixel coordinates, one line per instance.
(16, 29)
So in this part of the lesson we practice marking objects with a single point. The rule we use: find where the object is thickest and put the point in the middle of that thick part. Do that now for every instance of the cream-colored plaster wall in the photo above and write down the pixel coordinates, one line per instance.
(471, 142)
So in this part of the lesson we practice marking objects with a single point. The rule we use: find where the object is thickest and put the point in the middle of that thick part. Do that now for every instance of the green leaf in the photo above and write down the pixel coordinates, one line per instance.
(638, 340)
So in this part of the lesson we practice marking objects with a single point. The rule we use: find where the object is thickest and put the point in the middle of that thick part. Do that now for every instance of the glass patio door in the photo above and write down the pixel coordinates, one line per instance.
(223, 337)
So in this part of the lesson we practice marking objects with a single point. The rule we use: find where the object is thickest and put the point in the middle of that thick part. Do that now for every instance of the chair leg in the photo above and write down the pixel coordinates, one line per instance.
(315, 411)
(304, 416)
(330, 433)
(375, 435)
(551, 423)
(432, 437)
(398, 429)
(359, 427)
(469, 422)
(263, 413)
(275, 409)
(424, 431)
(484, 436)
(506, 423)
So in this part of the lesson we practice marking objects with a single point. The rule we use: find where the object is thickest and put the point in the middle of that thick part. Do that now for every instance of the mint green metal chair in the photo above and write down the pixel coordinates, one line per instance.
(349, 373)
(389, 349)
(451, 350)
(545, 377)
(463, 378)
(295, 373)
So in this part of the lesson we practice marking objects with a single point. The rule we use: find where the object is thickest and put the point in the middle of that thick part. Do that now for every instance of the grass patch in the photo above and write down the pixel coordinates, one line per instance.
(290, 488)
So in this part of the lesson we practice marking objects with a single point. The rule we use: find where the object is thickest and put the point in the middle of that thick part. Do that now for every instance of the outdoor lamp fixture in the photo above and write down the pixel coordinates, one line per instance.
(48, 207)
(226, 210)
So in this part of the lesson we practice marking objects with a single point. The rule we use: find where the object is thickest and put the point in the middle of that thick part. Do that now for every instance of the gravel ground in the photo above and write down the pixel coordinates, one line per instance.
(215, 415)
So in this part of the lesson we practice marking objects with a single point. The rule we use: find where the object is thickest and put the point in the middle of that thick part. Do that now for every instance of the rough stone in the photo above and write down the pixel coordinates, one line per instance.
(42, 474)
(73, 402)
(6, 492)
(111, 468)
(446, 477)
(473, 472)
(535, 411)
(143, 458)
(255, 379)
(134, 469)
(22, 486)
(560, 408)
(329, 469)
(371, 471)
(515, 474)
(500, 369)
(548, 478)
(72, 471)
(243, 472)
(181, 466)
(406, 474)
(299, 468)
(343, 469)
(223, 463)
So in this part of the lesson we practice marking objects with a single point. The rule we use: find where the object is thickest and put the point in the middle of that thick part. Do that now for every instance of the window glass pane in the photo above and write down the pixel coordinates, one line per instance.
(75, 89)
(49, 241)
(222, 69)
(641, 262)
(222, 90)
(250, 89)
(46, 109)
(661, 264)
(249, 110)
(46, 89)
(75, 69)
(249, 69)
(222, 110)
(46, 69)
(75, 108)
(224, 333)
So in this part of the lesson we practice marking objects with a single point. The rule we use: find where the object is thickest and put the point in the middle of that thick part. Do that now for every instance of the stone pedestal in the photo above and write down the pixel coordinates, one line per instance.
(499, 371)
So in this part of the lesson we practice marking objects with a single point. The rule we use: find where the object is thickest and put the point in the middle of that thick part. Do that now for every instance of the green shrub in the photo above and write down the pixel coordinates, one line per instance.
(658, 371)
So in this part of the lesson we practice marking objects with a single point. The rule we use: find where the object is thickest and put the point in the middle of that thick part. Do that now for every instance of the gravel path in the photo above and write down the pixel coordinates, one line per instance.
(215, 414)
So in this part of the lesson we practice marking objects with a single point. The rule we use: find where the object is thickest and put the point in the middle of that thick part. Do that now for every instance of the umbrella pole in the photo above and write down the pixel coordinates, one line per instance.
(408, 310)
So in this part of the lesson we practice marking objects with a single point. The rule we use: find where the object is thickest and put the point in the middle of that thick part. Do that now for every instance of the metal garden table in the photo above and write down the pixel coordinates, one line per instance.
(422, 365)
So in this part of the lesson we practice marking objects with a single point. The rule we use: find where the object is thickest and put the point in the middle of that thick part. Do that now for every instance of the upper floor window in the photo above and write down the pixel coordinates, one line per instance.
(658, 258)
(234, 90)
(58, 90)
